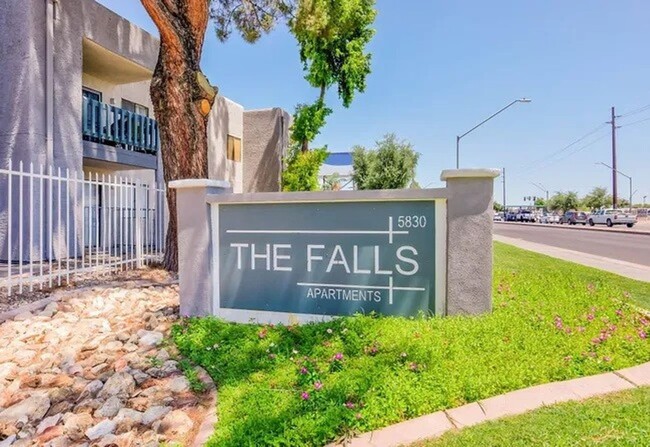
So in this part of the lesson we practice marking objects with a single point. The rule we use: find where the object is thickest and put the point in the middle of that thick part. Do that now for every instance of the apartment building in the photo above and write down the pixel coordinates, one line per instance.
(75, 98)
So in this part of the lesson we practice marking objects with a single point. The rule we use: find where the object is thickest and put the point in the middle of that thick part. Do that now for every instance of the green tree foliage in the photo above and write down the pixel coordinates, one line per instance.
(308, 120)
(564, 201)
(496, 206)
(301, 173)
(597, 198)
(332, 37)
(390, 166)
(539, 202)
(251, 18)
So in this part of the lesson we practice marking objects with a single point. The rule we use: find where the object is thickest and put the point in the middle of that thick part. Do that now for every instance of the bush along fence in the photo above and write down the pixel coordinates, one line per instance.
(294, 257)
(57, 226)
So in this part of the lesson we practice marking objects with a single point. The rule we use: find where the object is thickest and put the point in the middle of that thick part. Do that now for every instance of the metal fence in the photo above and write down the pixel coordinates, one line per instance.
(57, 226)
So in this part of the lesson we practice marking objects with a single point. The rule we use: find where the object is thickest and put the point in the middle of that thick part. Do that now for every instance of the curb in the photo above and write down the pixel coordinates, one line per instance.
(206, 428)
(30, 307)
(509, 404)
(577, 228)
(59, 293)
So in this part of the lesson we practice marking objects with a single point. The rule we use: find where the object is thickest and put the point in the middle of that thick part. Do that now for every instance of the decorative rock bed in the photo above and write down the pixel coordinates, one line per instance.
(92, 369)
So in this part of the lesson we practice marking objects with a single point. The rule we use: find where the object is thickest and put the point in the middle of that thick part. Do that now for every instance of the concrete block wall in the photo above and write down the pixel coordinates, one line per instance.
(266, 136)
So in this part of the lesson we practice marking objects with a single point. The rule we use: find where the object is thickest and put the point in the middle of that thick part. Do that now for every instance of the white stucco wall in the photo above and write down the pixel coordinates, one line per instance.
(226, 118)
(137, 92)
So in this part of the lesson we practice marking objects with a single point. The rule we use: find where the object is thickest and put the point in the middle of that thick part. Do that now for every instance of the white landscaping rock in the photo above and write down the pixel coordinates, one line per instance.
(100, 430)
(176, 424)
(154, 413)
(179, 384)
(119, 384)
(149, 338)
(110, 408)
(23, 316)
(33, 408)
(7, 442)
(92, 388)
(47, 423)
(127, 414)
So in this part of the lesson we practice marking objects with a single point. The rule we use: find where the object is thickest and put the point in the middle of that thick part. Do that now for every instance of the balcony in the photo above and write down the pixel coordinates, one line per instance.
(113, 126)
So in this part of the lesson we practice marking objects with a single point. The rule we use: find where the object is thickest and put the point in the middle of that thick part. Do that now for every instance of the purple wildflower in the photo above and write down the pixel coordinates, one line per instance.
(318, 385)
(338, 356)
(642, 334)
(303, 370)
(304, 395)
(350, 405)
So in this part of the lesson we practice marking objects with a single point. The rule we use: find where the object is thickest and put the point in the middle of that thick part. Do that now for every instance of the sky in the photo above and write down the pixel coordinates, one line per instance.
(441, 67)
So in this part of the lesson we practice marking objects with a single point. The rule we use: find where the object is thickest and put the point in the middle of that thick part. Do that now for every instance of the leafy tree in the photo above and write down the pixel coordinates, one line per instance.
(539, 202)
(332, 36)
(302, 170)
(390, 166)
(496, 206)
(597, 198)
(564, 201)
(181, 95)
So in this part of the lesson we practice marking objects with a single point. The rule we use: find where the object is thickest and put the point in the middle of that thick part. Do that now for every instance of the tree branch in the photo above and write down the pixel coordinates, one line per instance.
(159, 11)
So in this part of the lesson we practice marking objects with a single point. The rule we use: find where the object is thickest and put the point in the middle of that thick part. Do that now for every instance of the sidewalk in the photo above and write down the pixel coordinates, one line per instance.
(627, 269)
(509, 404)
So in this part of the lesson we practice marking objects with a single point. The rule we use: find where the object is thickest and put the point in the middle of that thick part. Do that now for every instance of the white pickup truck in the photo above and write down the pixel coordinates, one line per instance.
(611, 217)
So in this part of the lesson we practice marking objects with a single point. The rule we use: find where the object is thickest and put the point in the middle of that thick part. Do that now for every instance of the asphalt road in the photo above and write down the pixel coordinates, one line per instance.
(633, 248)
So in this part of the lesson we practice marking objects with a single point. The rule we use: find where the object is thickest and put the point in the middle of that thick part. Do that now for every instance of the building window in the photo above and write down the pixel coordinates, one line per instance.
(91, 94)
(234, 148)
(135, 107)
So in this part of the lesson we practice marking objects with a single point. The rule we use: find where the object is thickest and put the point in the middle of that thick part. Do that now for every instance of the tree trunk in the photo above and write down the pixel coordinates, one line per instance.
(304, 147)
(176, 94)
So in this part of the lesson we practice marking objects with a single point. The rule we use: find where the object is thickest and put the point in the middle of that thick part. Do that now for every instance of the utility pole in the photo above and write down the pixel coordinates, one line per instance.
(614, 186)
(504, 190)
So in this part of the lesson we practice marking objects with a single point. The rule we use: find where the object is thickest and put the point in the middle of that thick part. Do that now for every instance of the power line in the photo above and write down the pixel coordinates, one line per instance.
(574, 151)
(635, 111)
(635, 122)
(568, 146)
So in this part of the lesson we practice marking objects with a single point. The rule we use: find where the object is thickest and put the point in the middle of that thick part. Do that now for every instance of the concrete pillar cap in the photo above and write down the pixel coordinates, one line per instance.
(198, 183)
(469, 173)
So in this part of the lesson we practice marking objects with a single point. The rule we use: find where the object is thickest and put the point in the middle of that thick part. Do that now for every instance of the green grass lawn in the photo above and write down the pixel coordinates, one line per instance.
(618, 419)
(311, 384)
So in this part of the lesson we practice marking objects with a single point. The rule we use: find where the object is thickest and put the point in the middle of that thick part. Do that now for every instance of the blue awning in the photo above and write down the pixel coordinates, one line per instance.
(339, 159)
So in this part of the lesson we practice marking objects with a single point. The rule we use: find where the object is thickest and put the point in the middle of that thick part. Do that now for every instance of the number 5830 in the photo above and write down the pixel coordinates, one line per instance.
(411, 221)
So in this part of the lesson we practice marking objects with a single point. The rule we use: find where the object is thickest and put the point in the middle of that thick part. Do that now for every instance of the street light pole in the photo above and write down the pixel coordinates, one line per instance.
(624, 175)
(458, 137)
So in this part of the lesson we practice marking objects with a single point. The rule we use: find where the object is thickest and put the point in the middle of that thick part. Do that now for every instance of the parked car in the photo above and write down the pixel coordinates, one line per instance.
(525, 216)
(611, 217)
(498, 217)
(549, 218)
(511, 217)
(574, 218)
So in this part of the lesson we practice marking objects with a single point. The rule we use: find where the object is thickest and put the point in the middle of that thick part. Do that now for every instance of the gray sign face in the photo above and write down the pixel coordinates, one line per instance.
(336, 258)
